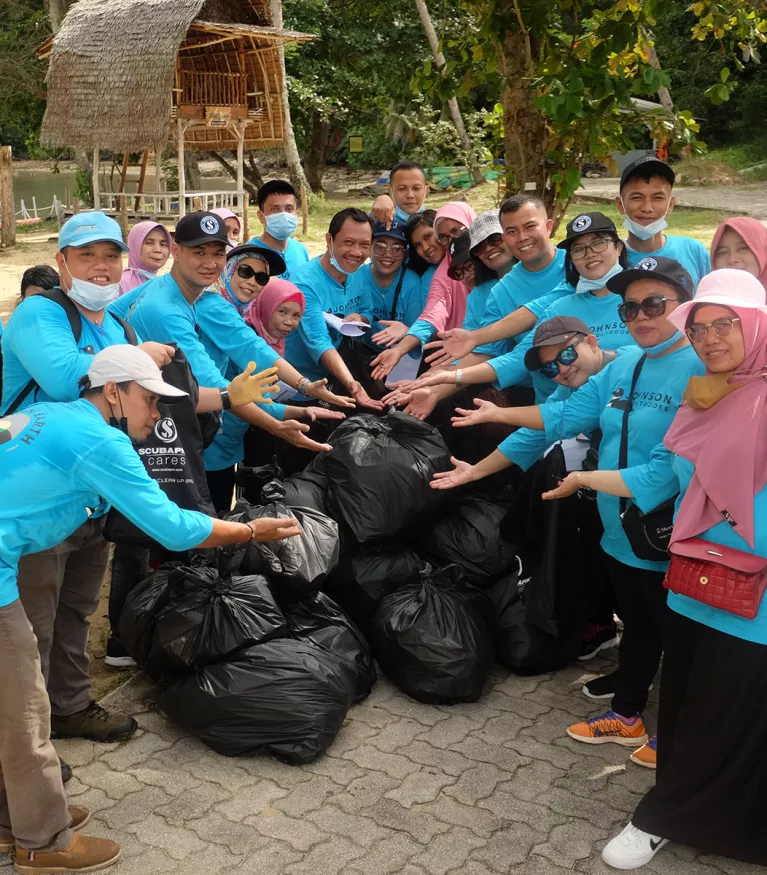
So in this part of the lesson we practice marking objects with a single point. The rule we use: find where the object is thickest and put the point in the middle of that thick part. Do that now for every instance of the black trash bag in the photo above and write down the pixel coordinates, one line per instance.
(285, 697)
(470, 537)
(307, 489)
(142, 606)
(434, 638)
(303, 561)
(541, 614)
(366, 574)
(379, 472)
(320, 620)
(251, 480)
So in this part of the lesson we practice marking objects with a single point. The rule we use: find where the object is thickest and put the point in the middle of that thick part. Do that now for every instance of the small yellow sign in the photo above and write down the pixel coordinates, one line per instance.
(355, 144)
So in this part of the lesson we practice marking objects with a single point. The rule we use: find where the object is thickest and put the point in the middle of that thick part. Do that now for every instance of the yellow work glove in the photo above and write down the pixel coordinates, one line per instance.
(248, 387)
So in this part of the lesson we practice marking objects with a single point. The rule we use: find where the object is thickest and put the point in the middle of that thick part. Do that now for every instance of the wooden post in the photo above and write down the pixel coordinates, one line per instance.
(96, 192)
(157, 177)
(123, 202)
(240, 128)
(66, 198)
(7, 203)
(181, 169)
(245, 219)
(304, 211)
(75, 205)
(141, 178)
(124, 171)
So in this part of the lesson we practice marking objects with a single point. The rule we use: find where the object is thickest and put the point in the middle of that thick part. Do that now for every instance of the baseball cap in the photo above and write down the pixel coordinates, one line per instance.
(728, 288)
(459, 253)
(396, 230)
(125, 363)
(275, 261)
(90, 227)
(485, 225)
(647, 164)
(666, 269)
(550, 333)
(195, 229)
(586, 223)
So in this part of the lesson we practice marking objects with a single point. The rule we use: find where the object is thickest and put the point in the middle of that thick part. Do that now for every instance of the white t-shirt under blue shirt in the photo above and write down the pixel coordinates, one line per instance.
(691, 254)
(295, 255)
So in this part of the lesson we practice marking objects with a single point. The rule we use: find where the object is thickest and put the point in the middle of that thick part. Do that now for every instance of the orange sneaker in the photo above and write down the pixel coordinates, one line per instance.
(80, 817)
(647, 755)
(609, 727)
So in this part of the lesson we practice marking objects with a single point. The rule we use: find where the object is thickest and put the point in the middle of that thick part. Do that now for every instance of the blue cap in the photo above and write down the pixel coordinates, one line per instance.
(396, 229)
(90, 227)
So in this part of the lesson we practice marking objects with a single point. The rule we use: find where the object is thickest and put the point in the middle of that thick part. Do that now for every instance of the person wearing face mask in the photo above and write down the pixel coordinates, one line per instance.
(644, 201)
(593, 255)
(521, 296)
(446, 302)
(84, 456)
(644, 384)
(741, 244)
(407, 194)
(314, 347)
(232, 222)
(148, 252)
(278, 213)
(711, 782)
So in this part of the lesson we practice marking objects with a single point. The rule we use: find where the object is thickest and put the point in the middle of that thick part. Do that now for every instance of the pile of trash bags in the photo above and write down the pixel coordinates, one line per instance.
(265, 647)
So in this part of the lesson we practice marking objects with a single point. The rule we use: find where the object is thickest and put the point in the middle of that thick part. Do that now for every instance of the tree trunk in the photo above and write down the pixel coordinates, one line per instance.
(192, 170)
(664, 95)
(56, 11)
(316, 154)
(452, 104)
(292, 158)
(252, 180)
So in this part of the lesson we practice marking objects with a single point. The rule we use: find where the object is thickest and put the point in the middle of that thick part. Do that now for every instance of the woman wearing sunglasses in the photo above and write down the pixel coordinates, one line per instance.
(229, 341)
(711, 781)
(643, 387)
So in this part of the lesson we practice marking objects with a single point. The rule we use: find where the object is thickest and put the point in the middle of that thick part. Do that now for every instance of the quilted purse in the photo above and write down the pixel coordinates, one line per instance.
(721, 577)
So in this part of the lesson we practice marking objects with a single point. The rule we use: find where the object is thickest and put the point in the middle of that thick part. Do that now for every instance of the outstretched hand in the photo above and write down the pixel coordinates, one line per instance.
(248, 387)
(486, 412)
(318, 389)
(294, 432)
(391, 335)
(461, 474)
(383, 364)
(274, 529)
(569, 486)
(451, 346)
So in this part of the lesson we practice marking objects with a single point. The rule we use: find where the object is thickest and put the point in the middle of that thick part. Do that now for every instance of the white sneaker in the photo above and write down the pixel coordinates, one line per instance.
(632, 848)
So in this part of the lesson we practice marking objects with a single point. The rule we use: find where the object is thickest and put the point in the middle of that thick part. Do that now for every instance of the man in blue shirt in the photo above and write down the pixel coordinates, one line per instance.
(645, 200)
(313, 347)
(407, 194)
(278, 213)
(58, 463)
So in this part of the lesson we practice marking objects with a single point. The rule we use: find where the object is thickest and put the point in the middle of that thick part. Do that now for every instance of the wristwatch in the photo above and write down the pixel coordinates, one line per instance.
(226, 401)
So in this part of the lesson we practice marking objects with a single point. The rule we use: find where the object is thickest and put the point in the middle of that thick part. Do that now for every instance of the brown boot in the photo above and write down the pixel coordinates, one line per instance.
(83, 854)
(94, 723)
(79, 814)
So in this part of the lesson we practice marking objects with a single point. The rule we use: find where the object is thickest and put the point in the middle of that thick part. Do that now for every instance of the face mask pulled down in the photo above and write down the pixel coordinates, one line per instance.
(646, 232)
(92, 296)
(588, 285)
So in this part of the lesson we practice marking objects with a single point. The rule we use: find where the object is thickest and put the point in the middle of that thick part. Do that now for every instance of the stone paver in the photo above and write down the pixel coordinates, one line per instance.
(488, 787)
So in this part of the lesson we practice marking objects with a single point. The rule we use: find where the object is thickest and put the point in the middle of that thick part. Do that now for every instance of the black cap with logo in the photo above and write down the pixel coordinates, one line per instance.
(559, 329)
(459, 253)
(668, 270)
(196, 229)
(648, 165)
(587, 223)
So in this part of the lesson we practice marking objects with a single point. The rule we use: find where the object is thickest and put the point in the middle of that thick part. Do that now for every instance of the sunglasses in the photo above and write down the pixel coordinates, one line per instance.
(579, 251)
(565, 356)
(653, 306)
(492, 240)
(698, 332)
(245, 272)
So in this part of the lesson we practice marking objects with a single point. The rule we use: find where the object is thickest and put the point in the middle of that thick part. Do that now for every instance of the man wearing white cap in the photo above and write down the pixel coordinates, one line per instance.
(59, 462)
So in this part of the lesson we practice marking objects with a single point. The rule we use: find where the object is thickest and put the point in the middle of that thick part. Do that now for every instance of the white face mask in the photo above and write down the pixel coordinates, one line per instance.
(645, 232)
(588, 285)
(92, 296)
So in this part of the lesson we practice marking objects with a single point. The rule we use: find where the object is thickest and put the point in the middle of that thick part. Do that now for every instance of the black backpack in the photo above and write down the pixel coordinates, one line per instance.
(76, 324)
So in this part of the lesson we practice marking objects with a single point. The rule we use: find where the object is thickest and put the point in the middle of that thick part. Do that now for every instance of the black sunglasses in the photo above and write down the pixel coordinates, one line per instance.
(246, 272)
(653, 306)
(565, 356)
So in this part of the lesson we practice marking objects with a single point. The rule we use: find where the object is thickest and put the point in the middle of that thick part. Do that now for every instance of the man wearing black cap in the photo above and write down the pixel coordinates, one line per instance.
(645, 200)
(278, 213)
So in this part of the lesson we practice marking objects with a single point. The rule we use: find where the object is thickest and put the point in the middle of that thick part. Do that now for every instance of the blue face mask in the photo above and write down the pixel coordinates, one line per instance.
(401, 216)
(662, 347)
(645, 232)
(336, 265)
(281, 225)
(587, 285)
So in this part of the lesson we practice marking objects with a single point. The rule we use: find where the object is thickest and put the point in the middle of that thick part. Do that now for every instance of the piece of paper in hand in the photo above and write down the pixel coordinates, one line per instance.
(285, 394)
(348, 329)
(405, 369)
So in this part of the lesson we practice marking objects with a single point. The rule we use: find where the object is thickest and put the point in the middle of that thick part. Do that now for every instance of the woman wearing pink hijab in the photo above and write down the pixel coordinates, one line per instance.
(446, 302)
(232, 222)
(276, 312)
(149, 249)
(741, 244)
(711, 785)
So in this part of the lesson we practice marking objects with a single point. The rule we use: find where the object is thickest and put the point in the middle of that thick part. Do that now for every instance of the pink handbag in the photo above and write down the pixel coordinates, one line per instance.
(722, 577)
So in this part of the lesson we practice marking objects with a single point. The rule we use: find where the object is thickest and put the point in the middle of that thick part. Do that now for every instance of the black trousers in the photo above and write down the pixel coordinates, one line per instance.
(641, 600)
(221, 486)
(130, 565)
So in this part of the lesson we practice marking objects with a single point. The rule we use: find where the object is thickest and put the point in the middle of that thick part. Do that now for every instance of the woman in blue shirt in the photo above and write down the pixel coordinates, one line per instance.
(712, 779)
(659, 369)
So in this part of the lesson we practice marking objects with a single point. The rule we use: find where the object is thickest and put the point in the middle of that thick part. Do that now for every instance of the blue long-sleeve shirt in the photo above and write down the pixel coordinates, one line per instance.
(655, 401)
(60, 461)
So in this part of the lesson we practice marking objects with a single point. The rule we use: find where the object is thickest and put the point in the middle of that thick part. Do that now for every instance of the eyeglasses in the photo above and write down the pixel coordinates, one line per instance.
(246, 272)
(395, 249)
(698, 332)
(462, 270)
(579, 251)
(653, 306)
(444, 239)
(492, 240)
(565, 356)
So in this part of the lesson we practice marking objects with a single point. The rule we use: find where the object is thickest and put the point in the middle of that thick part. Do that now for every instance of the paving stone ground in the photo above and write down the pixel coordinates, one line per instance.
(490, 787)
